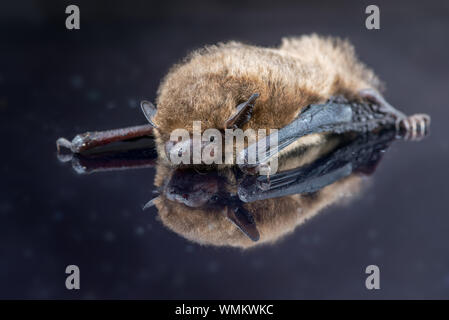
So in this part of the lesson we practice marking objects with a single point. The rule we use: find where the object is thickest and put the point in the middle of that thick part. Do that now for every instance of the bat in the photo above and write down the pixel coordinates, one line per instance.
(309, 85)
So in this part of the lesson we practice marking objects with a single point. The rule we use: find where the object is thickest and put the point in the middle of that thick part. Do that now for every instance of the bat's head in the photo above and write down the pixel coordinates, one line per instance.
(200, 134)
(211, 192)
(228, 86)
(194, 189)
(208, 91)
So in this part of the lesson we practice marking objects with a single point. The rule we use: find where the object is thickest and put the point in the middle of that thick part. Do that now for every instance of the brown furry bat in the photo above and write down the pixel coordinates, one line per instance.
(234, 85)
(313, 89)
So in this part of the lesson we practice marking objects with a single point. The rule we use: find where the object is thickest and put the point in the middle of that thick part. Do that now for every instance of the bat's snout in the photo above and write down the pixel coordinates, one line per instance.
(188, 152)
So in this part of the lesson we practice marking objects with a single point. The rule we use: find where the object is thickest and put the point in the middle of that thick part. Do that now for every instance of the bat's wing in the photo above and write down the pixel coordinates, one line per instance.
(360, 155)
(336, 116)
(140, 153)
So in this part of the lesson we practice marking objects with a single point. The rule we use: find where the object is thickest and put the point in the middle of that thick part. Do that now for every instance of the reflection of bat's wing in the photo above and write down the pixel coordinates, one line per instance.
(361, 154)
(139, 153)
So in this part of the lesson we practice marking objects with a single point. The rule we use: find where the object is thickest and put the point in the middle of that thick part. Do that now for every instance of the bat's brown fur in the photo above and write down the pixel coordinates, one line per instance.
(212, 81)
(208, 86)
(274, 218)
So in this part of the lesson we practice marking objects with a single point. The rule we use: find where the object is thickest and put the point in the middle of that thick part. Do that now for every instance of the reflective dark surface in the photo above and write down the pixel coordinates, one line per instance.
(57, 83)
(227, 206)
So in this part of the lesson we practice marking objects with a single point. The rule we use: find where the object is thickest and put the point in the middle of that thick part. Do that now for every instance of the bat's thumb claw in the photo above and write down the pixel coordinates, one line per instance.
(63, 142)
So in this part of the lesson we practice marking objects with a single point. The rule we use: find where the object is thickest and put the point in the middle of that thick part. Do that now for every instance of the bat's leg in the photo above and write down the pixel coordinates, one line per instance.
(381, 104)
(338, 116)
(414, 127)
(89, 140)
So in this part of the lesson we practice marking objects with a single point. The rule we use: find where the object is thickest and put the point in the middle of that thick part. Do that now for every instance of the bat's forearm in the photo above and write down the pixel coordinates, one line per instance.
(89, 140)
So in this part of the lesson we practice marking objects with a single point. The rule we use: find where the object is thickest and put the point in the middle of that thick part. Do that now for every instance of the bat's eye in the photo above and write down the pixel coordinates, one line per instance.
(214, 198)
(212, 139)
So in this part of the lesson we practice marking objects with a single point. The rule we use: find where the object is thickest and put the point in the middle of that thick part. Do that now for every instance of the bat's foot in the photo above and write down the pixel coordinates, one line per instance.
(415, 127)
(381, 105)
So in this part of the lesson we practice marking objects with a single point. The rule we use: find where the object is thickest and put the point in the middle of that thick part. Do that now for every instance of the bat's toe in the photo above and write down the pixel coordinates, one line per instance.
(415, 127)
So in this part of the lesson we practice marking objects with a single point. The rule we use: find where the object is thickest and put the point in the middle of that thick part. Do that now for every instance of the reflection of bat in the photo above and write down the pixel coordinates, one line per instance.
(228, 207)
(308, 85)
(207, 207)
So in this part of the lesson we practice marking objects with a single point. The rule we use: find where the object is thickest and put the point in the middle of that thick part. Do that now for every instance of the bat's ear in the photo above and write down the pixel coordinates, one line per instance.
(244, 220)
(243, 113)
(149, 110)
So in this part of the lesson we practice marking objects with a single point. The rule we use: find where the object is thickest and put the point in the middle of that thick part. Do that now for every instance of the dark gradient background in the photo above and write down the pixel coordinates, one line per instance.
(55, 82)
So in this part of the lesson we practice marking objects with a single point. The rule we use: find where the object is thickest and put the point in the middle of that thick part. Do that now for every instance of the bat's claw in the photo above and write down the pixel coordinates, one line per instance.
(63, 142)
(414, 127)
(64, 157)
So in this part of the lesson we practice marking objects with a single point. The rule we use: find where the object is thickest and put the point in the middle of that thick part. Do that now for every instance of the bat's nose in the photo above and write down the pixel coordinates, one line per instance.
(176, 151)
(186, 152)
